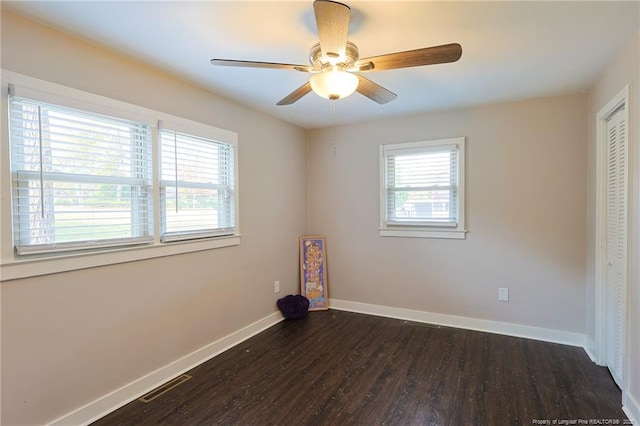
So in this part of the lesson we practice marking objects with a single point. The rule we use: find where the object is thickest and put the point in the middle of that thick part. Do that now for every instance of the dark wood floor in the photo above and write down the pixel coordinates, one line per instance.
(342, 368)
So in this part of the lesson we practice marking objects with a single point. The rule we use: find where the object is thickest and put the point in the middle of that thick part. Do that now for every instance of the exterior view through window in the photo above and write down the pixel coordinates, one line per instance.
(79, 179)
(423, 187)
(83, 180)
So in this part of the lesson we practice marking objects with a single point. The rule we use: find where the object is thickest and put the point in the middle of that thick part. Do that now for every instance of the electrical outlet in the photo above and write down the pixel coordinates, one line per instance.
(276, 287)
(503, 294)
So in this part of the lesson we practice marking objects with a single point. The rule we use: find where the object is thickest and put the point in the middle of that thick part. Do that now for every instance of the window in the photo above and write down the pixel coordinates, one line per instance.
(95, 181)
(196, 186)
(422, 189)
(80, 180)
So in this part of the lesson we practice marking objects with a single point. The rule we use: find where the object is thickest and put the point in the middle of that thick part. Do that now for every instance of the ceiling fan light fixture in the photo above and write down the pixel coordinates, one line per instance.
(334, 60)
(334, 83)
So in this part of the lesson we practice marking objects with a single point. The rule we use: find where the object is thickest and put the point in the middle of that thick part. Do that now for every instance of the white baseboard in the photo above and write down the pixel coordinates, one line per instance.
(516, 330)
(127, 393)
(589, 348)
(631, 408)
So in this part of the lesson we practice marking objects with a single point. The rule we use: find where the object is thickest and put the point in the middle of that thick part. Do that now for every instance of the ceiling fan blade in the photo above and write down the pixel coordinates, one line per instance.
(256, 64)
(361, 67)
(374, 91)
(332, 20)
(296, 94)
(415, 58)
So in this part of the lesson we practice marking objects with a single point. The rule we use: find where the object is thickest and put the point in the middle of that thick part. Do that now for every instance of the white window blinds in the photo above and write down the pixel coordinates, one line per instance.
(421, 184)
(197, 186)
(80, 180)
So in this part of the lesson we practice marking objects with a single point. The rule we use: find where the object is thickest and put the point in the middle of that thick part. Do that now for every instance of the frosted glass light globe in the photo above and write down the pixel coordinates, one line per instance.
(334, 83)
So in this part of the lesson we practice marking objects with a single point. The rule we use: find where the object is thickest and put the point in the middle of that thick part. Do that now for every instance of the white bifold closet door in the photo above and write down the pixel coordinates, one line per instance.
(616, 285)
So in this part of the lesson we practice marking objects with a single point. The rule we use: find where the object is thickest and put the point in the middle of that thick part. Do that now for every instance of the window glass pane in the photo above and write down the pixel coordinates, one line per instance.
(423, 170)
(423, 205)
(421, 186)
(77, 212)
(78, 177)
(197, 186)
(197, 209)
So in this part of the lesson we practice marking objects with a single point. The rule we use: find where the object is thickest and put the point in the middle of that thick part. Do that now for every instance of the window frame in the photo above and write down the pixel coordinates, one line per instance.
(426, 229)
(13, 266)
(204, 135)
(140, 214)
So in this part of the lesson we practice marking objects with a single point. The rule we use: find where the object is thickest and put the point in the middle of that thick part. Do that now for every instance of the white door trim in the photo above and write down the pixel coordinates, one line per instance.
(621, 99)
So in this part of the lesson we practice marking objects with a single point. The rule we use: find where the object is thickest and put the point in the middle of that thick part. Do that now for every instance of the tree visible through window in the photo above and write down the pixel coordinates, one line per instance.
(95, 176)
(83, 180)
(79, 179)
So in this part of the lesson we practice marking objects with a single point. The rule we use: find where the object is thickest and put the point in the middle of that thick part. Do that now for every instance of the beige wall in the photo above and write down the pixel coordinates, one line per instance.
(70, 338)
(525, 211)
(623, 70)
(529, 170)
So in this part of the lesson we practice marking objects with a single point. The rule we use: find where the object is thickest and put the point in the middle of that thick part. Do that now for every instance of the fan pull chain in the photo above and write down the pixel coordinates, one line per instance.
(332, 104)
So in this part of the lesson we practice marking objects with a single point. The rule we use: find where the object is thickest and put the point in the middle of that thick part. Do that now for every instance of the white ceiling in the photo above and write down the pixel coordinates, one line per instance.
(512, 50)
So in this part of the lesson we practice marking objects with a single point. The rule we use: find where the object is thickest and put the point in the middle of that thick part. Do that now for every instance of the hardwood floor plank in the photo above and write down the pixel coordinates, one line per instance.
(342, 368)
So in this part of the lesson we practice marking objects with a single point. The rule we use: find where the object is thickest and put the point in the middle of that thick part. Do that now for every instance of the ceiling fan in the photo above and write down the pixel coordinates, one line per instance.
(336, 64)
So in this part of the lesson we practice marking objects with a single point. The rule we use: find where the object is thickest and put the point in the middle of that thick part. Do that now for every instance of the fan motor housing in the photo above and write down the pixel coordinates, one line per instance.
(319, 62)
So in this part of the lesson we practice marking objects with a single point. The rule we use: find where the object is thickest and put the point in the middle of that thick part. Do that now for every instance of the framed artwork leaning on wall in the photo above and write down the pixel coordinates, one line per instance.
(313, 271)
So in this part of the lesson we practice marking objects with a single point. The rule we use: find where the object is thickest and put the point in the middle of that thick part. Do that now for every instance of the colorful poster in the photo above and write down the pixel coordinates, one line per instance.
(313, 272)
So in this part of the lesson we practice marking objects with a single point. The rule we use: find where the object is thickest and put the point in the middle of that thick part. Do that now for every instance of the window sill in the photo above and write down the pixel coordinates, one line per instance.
(423, 233)
(25, 268)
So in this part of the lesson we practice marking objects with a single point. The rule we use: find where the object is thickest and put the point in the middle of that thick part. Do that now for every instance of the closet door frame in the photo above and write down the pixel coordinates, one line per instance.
(620, 100)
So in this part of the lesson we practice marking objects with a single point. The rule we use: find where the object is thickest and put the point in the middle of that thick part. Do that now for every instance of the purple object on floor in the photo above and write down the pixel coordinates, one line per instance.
(294, 307)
